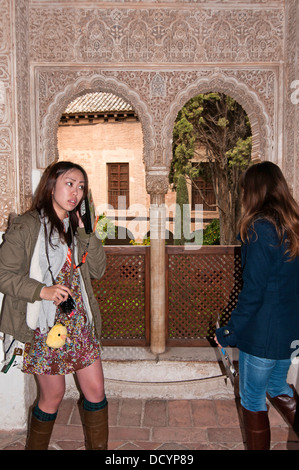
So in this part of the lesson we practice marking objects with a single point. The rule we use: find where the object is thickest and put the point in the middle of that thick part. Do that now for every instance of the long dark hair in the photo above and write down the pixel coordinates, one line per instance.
(266, 194)
(43, 203)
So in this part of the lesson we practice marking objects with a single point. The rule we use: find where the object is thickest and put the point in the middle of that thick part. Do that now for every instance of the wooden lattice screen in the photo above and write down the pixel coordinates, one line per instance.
(202, 284)
(123, 296)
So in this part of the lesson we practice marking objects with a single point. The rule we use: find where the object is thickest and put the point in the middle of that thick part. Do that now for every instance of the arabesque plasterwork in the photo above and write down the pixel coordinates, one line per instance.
(157, 107)
(155, 54)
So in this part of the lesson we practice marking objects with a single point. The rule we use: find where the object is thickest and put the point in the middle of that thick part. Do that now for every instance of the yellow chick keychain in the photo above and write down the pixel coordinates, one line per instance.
(57, 336)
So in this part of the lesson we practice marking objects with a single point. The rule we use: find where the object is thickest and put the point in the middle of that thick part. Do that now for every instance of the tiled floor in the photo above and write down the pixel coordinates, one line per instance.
(160, 425)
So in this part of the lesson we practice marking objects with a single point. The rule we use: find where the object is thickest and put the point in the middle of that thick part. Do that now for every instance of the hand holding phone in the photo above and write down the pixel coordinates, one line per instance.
(85, 215)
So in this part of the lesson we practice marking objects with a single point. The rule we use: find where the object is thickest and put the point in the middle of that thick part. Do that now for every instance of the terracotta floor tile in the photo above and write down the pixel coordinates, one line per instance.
(203, 413)
(155, 424)
(130, 412)
(155, 413)
(179, 413)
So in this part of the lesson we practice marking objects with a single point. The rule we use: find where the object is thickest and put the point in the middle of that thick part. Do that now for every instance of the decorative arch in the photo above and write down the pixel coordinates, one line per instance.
(262, 138)
(48, 151)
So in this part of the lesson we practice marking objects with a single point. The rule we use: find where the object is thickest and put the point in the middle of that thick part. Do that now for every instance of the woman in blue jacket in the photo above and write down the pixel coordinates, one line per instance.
(265, 323)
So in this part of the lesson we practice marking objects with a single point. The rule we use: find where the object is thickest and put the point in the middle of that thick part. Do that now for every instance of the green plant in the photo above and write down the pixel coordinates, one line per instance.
(105, 228)
(145, 241)
(211, 234)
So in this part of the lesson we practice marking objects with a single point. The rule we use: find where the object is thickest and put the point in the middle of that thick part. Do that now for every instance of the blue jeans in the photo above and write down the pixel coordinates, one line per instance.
(258, 376)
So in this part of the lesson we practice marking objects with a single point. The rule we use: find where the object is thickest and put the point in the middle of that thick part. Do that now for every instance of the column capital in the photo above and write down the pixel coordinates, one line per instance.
(157, 183)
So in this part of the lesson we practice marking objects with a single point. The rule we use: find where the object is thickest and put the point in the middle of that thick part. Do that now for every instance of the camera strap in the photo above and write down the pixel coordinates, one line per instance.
(73, 256)
(48, 259)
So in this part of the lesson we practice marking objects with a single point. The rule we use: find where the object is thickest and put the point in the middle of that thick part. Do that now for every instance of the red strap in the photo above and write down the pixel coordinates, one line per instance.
(69, 258)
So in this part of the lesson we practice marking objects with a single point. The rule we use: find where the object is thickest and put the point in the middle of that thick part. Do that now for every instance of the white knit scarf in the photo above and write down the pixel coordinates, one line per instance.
(42, 313)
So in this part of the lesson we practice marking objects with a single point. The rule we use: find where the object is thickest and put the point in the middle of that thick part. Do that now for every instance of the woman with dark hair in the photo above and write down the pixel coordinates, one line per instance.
(266, 320)
(46, 264)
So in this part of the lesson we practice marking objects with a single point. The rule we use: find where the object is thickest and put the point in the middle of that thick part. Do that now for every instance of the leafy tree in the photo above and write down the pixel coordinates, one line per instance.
(218, 124)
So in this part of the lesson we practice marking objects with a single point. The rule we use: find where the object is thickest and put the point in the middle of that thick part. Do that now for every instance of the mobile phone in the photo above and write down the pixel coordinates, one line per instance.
(85, 215)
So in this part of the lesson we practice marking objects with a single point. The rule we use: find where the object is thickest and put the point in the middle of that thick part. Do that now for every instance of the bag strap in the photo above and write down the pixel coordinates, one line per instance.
(48, 259)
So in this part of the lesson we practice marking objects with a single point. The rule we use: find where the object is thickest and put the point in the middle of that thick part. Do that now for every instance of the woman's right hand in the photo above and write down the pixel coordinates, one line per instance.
(58, 293)
(216, 341)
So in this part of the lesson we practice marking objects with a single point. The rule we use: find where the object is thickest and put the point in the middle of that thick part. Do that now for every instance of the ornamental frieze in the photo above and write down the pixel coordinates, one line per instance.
(152, 35)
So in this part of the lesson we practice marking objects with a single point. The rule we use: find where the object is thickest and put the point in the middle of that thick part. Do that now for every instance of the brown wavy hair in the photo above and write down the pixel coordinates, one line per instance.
(266, 194)
(43, 203)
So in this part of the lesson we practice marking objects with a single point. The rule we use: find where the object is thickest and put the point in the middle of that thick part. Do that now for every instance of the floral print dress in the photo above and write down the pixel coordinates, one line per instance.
(81, 348)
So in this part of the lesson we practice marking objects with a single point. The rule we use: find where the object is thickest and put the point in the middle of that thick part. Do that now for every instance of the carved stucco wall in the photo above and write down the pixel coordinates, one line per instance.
(290, 163)
(156, 55)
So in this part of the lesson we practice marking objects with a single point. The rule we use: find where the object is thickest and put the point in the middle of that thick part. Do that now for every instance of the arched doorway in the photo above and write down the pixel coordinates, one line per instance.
(47, 140)
(102, 132)
(212, 146)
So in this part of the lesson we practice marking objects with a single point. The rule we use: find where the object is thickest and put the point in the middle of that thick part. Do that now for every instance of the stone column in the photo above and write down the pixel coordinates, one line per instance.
(157, 264)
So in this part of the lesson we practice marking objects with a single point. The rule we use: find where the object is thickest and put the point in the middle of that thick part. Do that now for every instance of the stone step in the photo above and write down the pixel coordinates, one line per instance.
(179, 373)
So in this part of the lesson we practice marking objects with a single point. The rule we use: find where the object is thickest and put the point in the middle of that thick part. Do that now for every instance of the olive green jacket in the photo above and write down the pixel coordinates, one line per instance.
(18, 288)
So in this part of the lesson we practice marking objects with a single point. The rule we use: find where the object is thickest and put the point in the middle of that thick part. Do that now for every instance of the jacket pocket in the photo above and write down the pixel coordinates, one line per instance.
(19, 305)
